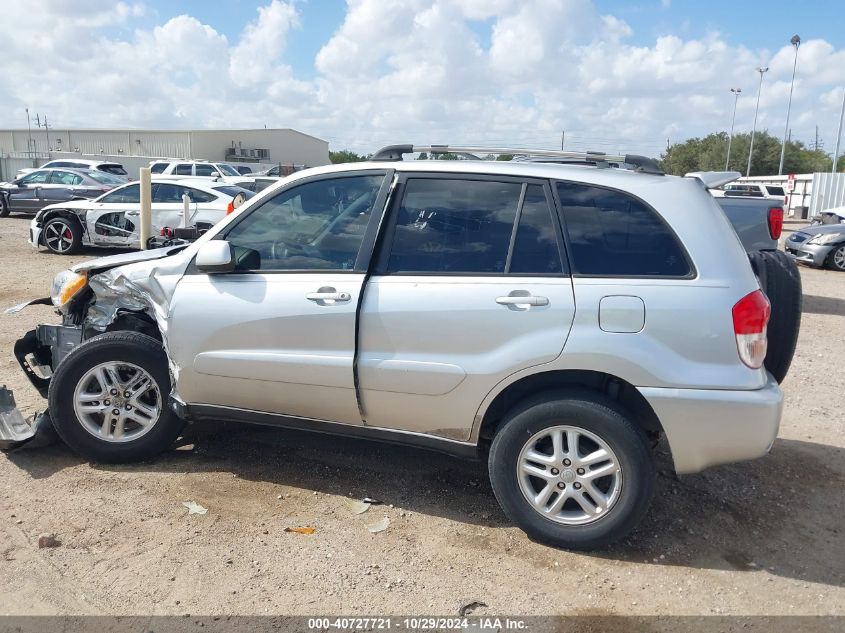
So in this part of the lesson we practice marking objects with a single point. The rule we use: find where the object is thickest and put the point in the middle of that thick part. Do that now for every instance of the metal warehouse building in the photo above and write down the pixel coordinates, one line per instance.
(258, 148)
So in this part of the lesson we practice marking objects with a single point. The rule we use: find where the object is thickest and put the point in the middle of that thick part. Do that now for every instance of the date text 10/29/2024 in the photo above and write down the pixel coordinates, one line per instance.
(422, 623)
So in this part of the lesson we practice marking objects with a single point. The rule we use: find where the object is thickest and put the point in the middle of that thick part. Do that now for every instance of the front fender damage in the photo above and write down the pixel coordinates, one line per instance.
(145, 287)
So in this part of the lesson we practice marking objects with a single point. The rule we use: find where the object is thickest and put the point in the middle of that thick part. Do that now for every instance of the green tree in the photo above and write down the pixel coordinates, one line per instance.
(504, 157)
(709, 153)
(422, 156)
(345, 156)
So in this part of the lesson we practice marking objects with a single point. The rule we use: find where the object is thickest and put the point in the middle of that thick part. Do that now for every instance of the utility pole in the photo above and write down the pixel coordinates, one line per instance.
(796, 42)
(736, 92)
(760, 70)
(562, 137)
(29, 129)
(838, 134)
(816, 145)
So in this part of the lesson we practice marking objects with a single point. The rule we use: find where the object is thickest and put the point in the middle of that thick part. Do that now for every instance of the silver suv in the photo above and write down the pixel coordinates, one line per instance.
(556, 319)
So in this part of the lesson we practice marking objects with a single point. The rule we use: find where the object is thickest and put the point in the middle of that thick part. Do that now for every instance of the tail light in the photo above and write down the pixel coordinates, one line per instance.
(230, 207)
(751, 315)
(775, 222)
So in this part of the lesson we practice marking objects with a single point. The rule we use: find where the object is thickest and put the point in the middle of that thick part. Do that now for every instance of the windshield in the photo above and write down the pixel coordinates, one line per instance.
(228, 170)
(232, 191)
(105, 178)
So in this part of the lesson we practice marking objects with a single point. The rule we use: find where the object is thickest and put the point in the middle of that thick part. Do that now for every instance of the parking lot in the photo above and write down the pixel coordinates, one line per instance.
(762, 537)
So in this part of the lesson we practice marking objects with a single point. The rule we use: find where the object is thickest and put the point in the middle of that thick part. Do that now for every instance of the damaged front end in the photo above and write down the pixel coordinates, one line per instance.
(120, 292)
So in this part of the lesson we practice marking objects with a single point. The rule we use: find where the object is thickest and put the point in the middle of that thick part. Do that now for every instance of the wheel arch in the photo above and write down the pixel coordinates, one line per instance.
(127, 321)
(620, 391)
(67, 214)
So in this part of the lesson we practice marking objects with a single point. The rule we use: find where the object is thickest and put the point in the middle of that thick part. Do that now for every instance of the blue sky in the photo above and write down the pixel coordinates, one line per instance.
(617, 76)
(754, 24)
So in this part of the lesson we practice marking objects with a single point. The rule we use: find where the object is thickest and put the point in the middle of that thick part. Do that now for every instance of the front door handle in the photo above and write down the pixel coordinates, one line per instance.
(133, 213)
(328, 296)
(522, 300)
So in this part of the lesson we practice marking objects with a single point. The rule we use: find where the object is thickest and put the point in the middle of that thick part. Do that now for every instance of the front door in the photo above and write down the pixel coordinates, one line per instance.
(277, 335)
(27, 196)
(114, 219)
(470, 287)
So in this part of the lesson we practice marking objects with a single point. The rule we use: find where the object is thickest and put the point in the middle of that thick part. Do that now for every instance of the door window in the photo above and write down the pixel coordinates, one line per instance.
(454, 226)
(35, 177)
(183, 169)
(59, 177)
(535, 249)
(614, 234)
(130, 194)
(167, 193)
(314, 226)
(158, 168)
(205, 170)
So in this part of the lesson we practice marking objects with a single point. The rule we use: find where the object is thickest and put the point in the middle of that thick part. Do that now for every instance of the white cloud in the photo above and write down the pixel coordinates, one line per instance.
(480, 71)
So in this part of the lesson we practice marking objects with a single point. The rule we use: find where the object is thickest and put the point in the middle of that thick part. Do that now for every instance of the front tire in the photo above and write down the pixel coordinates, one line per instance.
(572, 470)
(108, 399)
(4, 206)
(836, 259)
(62, 236)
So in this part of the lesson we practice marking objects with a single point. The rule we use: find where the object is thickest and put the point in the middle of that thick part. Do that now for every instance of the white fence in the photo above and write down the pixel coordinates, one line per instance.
(828, 192)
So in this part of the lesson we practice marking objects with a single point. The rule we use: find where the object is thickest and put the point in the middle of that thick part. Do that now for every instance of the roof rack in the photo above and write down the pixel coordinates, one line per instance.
(638, 163)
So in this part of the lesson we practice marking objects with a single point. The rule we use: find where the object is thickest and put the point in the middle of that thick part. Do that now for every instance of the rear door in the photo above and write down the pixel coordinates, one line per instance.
(61, 186)
(471, 286)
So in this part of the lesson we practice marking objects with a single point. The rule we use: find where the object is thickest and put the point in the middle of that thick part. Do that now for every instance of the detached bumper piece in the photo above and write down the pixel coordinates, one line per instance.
(41, 350)
(15, 432)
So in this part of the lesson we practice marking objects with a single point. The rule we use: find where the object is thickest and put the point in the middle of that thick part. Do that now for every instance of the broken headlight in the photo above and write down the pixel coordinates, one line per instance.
(66, 285)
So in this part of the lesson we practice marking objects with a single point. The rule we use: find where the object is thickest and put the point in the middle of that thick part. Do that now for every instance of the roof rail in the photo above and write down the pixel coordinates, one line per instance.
(639, 163)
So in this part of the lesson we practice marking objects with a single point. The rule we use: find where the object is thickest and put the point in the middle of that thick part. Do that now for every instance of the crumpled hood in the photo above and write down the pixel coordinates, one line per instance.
(113, 261)
(822, 228)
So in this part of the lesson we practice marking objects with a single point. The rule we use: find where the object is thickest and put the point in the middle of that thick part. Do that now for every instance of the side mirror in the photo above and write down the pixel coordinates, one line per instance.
(215, 257)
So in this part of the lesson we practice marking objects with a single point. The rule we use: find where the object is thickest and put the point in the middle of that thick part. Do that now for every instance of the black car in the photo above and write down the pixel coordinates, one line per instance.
(36, 189)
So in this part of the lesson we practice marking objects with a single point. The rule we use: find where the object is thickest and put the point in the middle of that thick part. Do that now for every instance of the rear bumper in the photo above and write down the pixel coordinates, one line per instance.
(808, 253)
(709, 427)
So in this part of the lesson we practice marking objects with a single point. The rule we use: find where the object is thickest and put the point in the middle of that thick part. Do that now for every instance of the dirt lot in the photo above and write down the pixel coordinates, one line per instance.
(764, 537)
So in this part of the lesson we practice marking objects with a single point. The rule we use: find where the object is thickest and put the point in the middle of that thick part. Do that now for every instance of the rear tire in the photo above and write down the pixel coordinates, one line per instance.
(836, 259)
(529, 431)
(95, 416)
(781, 281)
(62, 235)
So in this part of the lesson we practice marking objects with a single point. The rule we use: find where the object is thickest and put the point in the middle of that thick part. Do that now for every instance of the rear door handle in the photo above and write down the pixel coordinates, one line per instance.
(529, 300)
(328, 296)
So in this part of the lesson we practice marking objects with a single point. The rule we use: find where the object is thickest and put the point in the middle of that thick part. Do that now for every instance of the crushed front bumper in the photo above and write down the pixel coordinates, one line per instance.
(41, 350)
(812, 254)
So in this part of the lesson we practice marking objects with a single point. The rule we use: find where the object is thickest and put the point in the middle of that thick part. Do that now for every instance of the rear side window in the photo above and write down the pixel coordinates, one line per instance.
(158, 168)
(614, 234)
(454, 226)
(775, 191)
(199, 196)
(183, 169)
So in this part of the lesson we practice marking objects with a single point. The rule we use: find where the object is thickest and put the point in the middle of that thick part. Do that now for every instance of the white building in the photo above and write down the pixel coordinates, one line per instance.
(258, 148)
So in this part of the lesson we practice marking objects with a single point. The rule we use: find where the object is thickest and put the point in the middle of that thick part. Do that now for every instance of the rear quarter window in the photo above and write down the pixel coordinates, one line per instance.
(613, 234)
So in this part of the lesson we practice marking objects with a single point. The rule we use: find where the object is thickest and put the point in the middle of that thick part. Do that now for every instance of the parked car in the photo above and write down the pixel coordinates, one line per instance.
(243, 170)
(41, 187)
(820, 245)
(280, 171)
(747, 190)
(554, 319)
(835, 215)
(116, 169)
(112, 219)
(180, 169)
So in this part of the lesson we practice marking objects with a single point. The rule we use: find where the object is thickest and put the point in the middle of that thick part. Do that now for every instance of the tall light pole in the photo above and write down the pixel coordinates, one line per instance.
(736, 92)
(760, 70)
(838, 135)
(29, 128)
(796, 42)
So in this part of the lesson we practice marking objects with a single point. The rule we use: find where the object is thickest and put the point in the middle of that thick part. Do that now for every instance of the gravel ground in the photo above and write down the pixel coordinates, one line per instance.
(762, 537)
